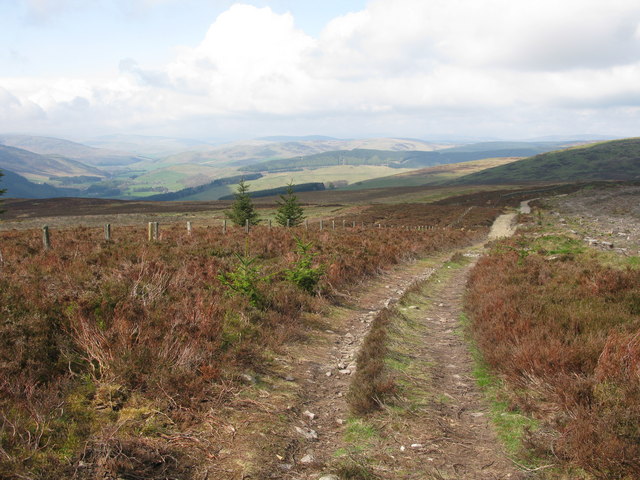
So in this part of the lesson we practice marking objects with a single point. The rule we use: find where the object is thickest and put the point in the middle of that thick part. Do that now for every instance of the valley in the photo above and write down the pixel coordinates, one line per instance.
(135, 167)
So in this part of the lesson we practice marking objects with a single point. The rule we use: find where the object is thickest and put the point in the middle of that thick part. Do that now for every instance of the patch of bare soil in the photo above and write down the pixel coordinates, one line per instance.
(450, 434)
(325, 373)
(605, 218)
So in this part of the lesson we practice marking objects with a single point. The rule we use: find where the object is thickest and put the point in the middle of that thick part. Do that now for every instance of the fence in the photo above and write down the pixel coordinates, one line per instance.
(154, 231)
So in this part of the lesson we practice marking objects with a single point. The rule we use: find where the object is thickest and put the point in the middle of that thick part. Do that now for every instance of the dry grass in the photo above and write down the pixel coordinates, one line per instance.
(109, 352)
(563, 331)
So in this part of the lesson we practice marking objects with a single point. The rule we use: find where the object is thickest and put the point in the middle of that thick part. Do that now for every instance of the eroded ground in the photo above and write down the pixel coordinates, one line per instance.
(605, 218)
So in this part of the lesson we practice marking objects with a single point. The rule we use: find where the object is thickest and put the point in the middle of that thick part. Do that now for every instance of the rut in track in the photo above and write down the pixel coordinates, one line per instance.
(451, 436)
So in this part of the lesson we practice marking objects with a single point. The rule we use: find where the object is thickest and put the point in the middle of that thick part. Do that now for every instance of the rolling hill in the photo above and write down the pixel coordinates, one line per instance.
(19, 187)
(41, 167)
(58, 147)
(438, 175)
(613, 160)
(249, 152)
(405, 158)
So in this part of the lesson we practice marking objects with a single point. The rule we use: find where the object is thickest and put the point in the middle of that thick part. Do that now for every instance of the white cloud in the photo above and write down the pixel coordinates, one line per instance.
(395, 63)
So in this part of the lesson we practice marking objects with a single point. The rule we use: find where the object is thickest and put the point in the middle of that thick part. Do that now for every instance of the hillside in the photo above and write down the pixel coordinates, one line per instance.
(405, 158)
(41, 167)
(613, 160)
(71, 150)
(431, 176)
(147, 146)
(249, 152)
(19, 187)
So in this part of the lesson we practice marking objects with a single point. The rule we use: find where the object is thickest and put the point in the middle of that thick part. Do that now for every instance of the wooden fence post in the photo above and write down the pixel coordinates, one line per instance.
(354, 225)
(306, 224)
(269, 224)
(189, 228)
(150, 231)
(344, 224)
(333, 224)
(107, 232)
(288, 222)
(246, 225)
(46, 241)
(156, 231)
(224, 226)
(320, 224)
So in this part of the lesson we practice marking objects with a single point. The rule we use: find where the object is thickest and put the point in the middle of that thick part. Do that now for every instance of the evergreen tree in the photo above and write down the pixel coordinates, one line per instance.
(289, 209)
(242, 208)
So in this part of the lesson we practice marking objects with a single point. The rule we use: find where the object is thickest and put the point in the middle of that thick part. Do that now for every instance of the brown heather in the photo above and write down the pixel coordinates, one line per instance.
(91, 330)
(564, 333)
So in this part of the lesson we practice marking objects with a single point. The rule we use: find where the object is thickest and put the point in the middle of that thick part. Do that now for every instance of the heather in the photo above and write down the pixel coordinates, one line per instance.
(109, 350)
(562, 329)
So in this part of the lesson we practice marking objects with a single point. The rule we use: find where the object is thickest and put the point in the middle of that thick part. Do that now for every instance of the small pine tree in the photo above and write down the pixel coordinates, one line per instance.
(242, 208)
(289, 209)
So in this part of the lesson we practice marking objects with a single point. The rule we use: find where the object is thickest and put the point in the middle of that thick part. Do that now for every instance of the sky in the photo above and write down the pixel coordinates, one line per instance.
(221, 70)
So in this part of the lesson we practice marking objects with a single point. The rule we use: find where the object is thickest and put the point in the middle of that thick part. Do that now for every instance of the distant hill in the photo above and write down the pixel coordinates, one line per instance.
(285, 138)
(202, 189)
(438, 175)
(35, 166)
(404, 159)
(58, 147)
(250, 152)
(19, 187)
(613, 160)
(148, 146)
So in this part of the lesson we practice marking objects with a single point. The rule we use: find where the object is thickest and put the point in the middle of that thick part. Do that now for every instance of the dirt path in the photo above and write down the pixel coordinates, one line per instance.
(449, 433)
(450, 436)
(327, 372)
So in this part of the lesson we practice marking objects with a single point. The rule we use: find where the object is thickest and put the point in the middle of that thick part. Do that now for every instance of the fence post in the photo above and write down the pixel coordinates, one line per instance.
(224, 226)
(107, 232)
(269, 224)
(150, 231)
(320, 224)
(333, 224)
(46, 241)
(246, 225)
(189, 228)
(344, 224)
(306, 224)
(156, 231)
(354, 225)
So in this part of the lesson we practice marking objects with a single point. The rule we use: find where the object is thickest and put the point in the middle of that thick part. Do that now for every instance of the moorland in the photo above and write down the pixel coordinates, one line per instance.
(386, 337)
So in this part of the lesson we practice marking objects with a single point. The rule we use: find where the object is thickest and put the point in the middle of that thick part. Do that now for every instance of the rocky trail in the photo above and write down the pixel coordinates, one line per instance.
(449, 435)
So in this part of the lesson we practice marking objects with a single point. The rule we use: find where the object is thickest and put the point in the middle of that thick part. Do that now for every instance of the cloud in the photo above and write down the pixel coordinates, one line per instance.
(41, 11)
(404, 64)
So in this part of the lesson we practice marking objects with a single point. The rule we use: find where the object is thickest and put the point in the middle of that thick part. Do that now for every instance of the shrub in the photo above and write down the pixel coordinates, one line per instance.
(303, 273)
(564, 334)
